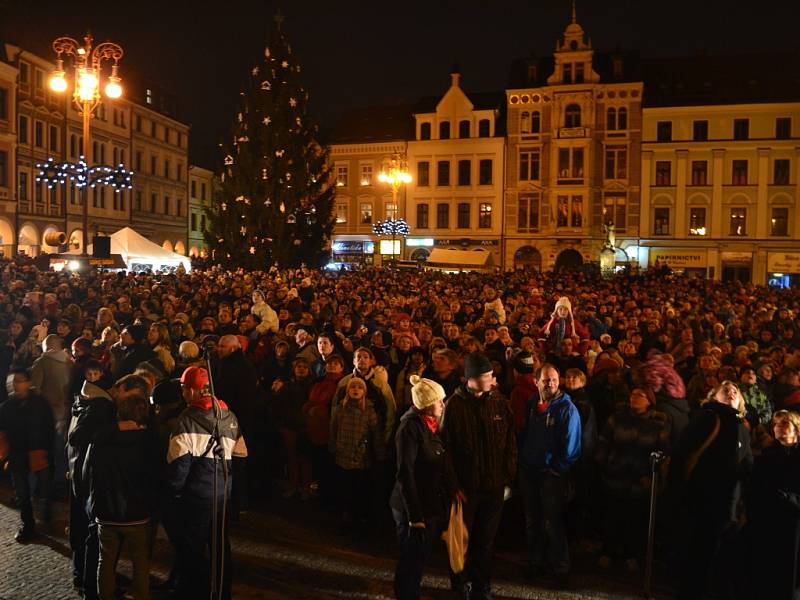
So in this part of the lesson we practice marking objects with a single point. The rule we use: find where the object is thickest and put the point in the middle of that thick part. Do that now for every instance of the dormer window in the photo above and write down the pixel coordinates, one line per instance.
(525, 122)
(463, 129)
(579, 73)
(572, 116)
(568, 73)
(425, 131)
(444, 130)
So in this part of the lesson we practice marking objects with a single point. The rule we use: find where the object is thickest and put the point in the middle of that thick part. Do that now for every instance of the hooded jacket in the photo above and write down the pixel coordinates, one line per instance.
(51, 375)
(93, 416)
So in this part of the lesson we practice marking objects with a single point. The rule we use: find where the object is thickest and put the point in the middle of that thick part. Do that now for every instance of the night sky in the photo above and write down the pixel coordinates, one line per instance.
(357, 53)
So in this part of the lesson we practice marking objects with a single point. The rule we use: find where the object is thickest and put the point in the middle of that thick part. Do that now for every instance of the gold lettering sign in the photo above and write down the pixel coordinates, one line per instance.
(783, 262)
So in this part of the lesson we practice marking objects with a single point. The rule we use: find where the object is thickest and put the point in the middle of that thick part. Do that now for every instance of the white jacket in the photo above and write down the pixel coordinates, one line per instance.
(268, 316)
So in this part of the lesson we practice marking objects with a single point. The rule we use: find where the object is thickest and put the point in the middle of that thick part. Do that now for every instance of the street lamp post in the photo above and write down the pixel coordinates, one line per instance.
(86, 94)
(395, 174)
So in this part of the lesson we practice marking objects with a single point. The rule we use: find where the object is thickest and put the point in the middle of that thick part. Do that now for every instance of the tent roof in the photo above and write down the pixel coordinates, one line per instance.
(135, 248)
(446, 257)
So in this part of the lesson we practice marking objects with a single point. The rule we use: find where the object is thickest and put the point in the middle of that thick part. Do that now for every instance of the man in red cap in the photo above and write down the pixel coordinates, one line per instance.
(201, 448)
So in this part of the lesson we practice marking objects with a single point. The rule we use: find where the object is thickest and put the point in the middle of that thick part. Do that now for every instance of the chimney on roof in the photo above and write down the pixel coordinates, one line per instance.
(455, 79)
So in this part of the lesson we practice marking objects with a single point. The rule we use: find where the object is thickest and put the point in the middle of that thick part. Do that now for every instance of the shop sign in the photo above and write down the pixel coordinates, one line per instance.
(783, 262)
(744, 259)
(679, 259)
(353, 247)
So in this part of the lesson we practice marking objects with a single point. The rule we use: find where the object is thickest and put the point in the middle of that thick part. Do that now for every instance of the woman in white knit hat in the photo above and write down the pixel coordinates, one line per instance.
(419, 502)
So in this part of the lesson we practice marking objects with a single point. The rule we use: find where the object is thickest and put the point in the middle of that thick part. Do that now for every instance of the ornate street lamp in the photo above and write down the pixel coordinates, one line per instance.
(88, 62)
(395, 173)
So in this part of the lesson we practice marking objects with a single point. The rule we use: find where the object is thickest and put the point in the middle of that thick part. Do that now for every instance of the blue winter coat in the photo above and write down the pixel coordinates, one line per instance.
(552, 439)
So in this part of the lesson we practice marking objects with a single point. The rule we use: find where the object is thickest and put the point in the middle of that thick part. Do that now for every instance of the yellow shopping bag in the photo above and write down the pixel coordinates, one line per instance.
(456, 537)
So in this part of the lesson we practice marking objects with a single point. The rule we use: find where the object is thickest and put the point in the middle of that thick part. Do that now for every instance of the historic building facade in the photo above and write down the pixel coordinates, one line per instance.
(720, 171)
(127, 131)
(203, 188)
(456, 158)
(572, 159)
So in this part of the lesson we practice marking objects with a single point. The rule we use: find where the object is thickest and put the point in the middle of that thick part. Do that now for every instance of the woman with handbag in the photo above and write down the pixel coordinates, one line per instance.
(418, 502)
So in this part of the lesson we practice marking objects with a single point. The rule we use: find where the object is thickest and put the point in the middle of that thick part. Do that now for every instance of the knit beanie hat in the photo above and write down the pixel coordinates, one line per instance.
(476, 364)
(425, 392)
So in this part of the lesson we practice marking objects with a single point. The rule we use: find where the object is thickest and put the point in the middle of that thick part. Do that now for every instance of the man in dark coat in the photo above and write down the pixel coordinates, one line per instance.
(236, 382)
(479, 436)
(26, 421)
(93, 419)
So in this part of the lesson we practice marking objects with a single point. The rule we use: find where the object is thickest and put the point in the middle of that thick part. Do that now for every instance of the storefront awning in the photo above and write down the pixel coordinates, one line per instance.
(463, 259)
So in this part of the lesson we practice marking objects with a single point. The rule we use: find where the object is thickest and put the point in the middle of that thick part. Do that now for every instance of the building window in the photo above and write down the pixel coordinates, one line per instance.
(567, 67)
(528, 212)
(699, 172)
(579, 68)
(138, 160)
(572, 116)
(166, 168)
(202, 222)
(366, 175)
(72, 145)
(484, 215)
(422, 216)
(442, 216)
(738, 221)
(73, 195)
(779, 223)
(341, 176)
(616, 162)
(529, 164)
(193, 220)
(138, 123)
(115, 154)
(443, 173)
(614, 210)
(179, 206)
(24, 72)
(166, 204)
(444, 130)
(153, 160)
(193, 187)
(22, 185)
(39, 190)
(463, 215)
(484, 128)
(697, 220)
(3, 168)
(53, 195)
(485, 171)
(622, 118)
(783, 128)
(53, 138)
(700, 131)
(39, 82)
(664, 131)
(366, 213)
(153, 129)
(38, 134)
(617, 118)
(536, 121)
(23, 129)
(663, 172)
(741, 129)
(661, 221)
(781, 169)
(570, 211)
(179, 171)
(423, 173)
(463, 129)
(570, 164)
(391, 212)
(739, 172)
(525, 122)
(341, 212)
(464, 170)
(203, 191)
(425, 131)
(153, 202)
(611, 118)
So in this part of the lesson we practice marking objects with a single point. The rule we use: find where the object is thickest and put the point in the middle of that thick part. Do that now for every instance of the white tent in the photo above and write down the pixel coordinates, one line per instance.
(139, 253)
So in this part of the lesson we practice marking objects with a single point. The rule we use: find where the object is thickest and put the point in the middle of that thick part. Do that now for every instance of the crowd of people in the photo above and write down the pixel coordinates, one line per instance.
(177, 399)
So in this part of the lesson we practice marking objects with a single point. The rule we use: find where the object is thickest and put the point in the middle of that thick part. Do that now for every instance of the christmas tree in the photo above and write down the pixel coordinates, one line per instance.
(276, 204)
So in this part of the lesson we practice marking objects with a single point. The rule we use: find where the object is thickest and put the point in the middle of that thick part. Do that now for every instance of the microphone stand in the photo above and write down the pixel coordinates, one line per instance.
(217, 533)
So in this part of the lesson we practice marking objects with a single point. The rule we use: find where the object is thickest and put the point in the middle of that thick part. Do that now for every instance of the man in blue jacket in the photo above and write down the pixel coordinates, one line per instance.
(550, 447)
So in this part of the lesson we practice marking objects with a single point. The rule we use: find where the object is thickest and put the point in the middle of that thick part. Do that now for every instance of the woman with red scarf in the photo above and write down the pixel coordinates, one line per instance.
(419, 502)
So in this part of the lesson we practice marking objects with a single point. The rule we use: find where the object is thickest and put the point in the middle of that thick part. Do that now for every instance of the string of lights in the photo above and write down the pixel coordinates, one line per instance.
(53, 173)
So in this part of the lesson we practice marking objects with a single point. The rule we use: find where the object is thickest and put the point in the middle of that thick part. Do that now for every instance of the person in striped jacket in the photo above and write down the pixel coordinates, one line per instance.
(198, 472)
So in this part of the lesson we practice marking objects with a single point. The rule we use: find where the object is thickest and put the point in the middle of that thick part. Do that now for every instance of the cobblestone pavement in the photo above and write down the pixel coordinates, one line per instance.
(284, 556)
